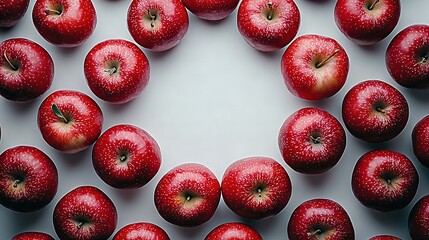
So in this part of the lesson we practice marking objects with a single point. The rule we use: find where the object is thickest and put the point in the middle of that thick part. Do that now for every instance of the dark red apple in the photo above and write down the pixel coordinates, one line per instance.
(314, 67)
(418, 220)
(212, 10)
(11, 12)
(141, 231)
(187, 195)
(367, 22)
(321, 219)
(65, 23)
(311, 140)
(256, 187)
(419, 137)
(157, 25)
(384, 180)
(233, 231)
(407, 57)
(374, 111)
(268, 25)
(26, 70)
(116, 70)
(85, 213)
(32, 236)
(384, 237)
(28, 179)
(70, 121)
(126, 156)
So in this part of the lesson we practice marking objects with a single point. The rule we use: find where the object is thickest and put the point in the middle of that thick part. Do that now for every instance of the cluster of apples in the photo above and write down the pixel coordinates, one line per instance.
(311, 140)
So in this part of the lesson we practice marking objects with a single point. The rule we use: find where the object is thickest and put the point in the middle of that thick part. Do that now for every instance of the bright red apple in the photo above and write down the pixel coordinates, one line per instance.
(116, 70)
(85, 213)
(32, 236)
(384, 180)
(70, 121)
(11, 12)
(212, 10)
(419, 137)
(157, 25)
(126, 156)
(374, 111)
(65, 23)
(256, 187)
(314, 67)
(384, 237)
(187, 195)
(141, 231)
(28, 179)
(418, 220)
(26, 70)
(233, 231)
(268, 25)
(407, 57)
(321, 219)
(367, 22)
(311, 140)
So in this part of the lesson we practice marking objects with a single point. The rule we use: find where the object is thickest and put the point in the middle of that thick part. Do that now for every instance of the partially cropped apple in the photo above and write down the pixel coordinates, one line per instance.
(32, 236)
(11, 12)
(212, 10)
(141, 231)
(187, 195)
(268, 25)
(384, 237)
(314, 67)
(233, 231)
(28, 179)
(407, 57)
(26, 70)
(419, 137)
(157, 25)
(256, 187)
(418, 219)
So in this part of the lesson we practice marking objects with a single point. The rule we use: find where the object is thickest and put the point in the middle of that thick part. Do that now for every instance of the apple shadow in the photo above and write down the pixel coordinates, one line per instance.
(22, 221)
(74, 160)
(316, 181)
(127, 195)
(420, 95)
(319, 1)
(395, 219)
(21, 108)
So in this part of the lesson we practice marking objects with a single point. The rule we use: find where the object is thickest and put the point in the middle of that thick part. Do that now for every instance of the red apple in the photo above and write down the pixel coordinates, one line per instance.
(418, 220)
(256, 187)
(384, 237)
(311, 140)
(384, 180)
(65, 23)
(374, 111)
(233, 231)
(157, 25)
(188, 195)
(367, 22)
(407, 57)
(126, 156)
(11, 12)
(419, 137)
(321, 219)
(70, 121)
(85, 213)
(32, 236)
(141, 231)
(212, 10)
(26, 70)
(28, 179)
(116, 70)
(314, 67)
(268, 25)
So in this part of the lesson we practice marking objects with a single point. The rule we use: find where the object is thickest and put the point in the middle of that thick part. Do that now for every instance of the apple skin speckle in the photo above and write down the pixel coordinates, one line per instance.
(233, 231)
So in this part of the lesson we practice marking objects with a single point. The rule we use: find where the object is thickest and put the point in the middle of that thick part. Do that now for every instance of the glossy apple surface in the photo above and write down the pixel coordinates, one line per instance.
(141, 231)
(28, 179)
(407, 57)
(268, 25)
(256, 187)
(126, 156)
(32, 236)
(419, 137)
(11, 12)
(384, 237)
(116, 70)
(418, 219)
(233, 231)
(212, 10)
(26, 70)
(187, 195)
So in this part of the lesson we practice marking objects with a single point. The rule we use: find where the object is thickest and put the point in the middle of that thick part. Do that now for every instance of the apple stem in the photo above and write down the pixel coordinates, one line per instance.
(381, 110)
(123, 158)
(373, 5)
(58, 113)
(111, 70)
(270, 14)
(259, 192)
(52, 12)
(316, 140)
(79, 225)
(16, 182)
(188, 198)
(9, 62)
(424, 60)
(152, 23)
(327, 59)
(314, 232)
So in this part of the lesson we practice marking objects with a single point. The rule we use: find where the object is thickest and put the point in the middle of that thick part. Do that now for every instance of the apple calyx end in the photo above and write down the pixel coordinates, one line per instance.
(58, 113)
(324, 61)
(11, 65)
(371, 7)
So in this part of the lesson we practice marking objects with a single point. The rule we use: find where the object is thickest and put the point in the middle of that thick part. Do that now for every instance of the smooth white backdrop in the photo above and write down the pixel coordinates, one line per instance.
(213, 100)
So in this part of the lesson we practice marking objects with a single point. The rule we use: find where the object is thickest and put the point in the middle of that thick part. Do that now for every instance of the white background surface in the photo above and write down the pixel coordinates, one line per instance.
(213, 100)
